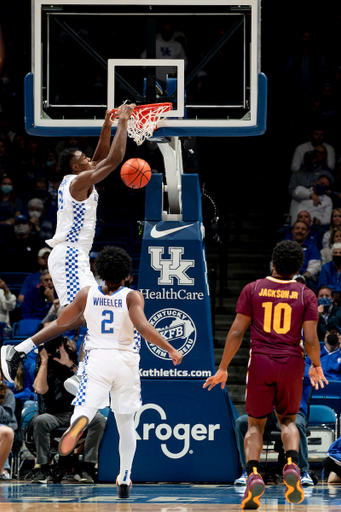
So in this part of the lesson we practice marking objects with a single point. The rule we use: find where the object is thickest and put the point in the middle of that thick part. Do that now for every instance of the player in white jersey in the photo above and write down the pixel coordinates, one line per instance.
(113, 314)
(69, 263)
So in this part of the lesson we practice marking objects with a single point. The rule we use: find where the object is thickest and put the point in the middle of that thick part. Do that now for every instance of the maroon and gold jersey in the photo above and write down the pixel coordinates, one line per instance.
(277, 308)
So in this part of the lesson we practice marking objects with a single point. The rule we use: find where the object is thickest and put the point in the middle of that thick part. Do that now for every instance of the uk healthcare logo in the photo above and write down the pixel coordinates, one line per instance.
(176, 327)
(183, 432)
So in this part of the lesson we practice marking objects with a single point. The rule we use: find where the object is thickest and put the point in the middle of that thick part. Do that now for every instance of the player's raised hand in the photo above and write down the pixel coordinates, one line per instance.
(219, 378)
(317, 377)
(175, 356)
(125, 111)
(108, 119)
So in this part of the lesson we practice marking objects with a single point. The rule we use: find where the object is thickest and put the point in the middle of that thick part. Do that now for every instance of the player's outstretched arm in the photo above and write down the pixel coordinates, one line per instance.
(135, 304)
(116, 154)
(232, 344)
(69, 318)
(103, 145)
(312, 348)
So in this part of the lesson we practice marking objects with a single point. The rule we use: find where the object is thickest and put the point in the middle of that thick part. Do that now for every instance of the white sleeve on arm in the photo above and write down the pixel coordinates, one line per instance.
(297, 159)
(314, 267)
(300, 193)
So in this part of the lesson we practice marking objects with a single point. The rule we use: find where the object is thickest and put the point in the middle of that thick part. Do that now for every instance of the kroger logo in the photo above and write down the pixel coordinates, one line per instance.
(183, 432)
(177, 328)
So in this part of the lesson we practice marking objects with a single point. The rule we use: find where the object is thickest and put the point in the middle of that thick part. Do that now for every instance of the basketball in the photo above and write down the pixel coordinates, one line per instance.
(135, 173)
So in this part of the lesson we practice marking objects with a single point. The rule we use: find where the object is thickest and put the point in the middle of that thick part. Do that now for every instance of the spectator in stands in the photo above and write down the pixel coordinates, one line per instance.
(322, 160)
(335, 221)
(7, 302)
(56, 362)
(40, 225)
(326, 252)
(10, 205)
(8, 425)
(52, 313)
(329, 106)
(312, 258)
(330, 274)
(316, 139)
(330, 353)
(6, 164)
(309, 172)
(314, 234)
(22, 248)
(33, 280)
(22, 387)
(38, 301)
(167, 47)
(50, 206)
(329, 312)
(54, 177)
(314, 200)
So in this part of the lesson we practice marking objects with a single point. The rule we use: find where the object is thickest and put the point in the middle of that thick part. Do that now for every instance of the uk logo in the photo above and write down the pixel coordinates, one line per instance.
(171, 268)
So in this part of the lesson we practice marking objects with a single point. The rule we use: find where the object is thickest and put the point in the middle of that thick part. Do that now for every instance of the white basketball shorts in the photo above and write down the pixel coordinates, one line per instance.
(69, 266)
(114, 372)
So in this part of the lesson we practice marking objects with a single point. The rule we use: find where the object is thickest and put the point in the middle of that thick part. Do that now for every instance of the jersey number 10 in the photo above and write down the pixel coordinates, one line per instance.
(279, 317)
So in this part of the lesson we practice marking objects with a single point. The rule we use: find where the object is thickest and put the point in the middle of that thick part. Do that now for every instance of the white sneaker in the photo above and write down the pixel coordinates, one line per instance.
(242, 479)
(72, 384)
(306, 478)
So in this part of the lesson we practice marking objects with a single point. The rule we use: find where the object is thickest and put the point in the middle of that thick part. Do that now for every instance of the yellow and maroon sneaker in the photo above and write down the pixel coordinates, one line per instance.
(69, 439)
(254, 489)
(292, 479)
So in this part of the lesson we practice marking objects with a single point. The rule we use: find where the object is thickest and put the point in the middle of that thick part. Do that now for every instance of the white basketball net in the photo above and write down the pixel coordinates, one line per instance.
(144, 119)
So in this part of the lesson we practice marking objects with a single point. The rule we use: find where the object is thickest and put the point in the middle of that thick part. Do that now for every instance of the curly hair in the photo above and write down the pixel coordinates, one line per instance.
(64, 159)
(287, 258)
(113, 264)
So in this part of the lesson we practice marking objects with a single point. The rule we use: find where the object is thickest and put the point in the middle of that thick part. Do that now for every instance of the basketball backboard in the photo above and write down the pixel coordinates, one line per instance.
(90, 56)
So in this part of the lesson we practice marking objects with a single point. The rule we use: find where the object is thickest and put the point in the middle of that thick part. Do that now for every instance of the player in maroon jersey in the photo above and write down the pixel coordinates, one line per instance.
(276, 307)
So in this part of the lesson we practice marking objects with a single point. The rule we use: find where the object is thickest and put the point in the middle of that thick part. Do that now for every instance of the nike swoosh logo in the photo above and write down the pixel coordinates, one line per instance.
(158, 234)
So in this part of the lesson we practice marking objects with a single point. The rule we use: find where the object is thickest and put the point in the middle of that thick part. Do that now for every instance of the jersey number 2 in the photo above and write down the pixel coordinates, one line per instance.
(279, 316)
(108, 318)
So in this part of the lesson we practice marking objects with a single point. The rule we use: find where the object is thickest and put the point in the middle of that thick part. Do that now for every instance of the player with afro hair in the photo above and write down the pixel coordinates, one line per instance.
(287, 258)
(113, 264)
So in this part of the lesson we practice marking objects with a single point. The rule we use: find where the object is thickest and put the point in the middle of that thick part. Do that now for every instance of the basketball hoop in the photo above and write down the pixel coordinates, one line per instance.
(144, 119)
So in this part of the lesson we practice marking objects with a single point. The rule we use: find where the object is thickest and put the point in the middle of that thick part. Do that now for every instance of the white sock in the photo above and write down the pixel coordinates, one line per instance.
(81, 410)
(25, 346)
(127, 445)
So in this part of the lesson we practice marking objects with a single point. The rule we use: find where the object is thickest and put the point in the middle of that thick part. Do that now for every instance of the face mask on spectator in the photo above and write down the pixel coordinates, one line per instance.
(337, 260)
(320, 189)
(324, 301)
(21, 229)
(6, 189)
(332, 339)
(34, 214)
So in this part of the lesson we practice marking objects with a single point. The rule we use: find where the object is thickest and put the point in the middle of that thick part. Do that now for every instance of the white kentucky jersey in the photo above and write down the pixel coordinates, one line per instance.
(76, 220)
(108, 321)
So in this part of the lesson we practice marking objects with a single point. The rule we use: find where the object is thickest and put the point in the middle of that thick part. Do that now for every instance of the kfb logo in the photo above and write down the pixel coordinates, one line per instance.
(184, 432)
(176, 327)
(173, 267)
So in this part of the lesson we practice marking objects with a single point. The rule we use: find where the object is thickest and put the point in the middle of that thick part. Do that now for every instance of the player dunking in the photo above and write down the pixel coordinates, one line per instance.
(69, 263)
(113, 314)
(277, 306)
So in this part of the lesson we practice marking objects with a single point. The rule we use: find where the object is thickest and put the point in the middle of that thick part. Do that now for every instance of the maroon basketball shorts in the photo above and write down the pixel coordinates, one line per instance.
(271, 383)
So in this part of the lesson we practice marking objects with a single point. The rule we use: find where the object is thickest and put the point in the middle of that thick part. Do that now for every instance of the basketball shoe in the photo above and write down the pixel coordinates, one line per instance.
(72, 384)
(10, 360)
(69, 439)
(254, 489)
(123, 490)
(292, 479)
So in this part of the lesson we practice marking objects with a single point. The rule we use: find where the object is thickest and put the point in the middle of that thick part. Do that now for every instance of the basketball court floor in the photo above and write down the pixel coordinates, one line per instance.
(68, 497)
